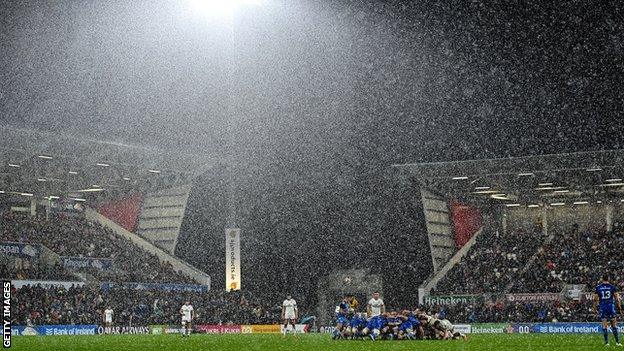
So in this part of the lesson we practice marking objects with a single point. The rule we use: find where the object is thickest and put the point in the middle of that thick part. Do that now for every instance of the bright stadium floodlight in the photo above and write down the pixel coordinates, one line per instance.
(221, 8)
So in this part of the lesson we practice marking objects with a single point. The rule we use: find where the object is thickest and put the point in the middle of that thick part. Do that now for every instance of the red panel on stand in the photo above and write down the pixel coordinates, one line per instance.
(466, 221)
(124, 212)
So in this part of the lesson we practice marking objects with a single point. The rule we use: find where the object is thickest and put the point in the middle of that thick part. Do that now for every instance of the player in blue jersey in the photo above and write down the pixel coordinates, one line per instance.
(408, 326)
(374, 326)
(391, 330)
(357, 325)
(342, 322)
(606, 303)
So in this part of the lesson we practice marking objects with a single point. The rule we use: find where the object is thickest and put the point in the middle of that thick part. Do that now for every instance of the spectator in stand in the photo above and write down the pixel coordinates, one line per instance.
(492, 263)
(75, 236)
(20, 268)
(579, 257)
(84, 305)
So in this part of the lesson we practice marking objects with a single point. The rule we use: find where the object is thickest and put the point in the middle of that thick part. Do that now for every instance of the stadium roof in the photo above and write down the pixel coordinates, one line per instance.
(51, 164)
(546, 179)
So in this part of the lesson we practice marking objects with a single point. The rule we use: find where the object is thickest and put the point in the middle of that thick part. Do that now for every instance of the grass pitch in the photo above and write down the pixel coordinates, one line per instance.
(308, 342)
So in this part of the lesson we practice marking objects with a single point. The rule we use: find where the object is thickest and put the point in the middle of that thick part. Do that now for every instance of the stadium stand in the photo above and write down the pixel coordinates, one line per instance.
(75, 236)
(500, 311)
(578, 257)
(492, 263)
(37, 305)
(32, 269)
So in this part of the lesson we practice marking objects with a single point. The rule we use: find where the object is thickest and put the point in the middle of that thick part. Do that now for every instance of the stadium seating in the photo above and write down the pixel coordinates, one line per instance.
(75, 236)
(36, 305)
(30, 269)
(495, 261)
(578, 257)
(573, 257)
(491, 264)
(501, 311)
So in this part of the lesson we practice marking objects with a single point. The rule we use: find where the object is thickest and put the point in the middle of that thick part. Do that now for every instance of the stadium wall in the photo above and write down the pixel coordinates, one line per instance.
(161, 216)
(439, 229)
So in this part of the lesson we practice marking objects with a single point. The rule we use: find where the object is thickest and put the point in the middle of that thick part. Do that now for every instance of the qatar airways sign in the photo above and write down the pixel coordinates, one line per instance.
(232, 259)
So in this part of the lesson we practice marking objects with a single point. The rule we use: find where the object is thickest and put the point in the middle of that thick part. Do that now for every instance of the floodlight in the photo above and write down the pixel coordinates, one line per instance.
(221, 8)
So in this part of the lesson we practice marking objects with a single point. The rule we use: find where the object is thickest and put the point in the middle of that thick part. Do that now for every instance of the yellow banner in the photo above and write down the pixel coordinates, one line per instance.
(265, 328)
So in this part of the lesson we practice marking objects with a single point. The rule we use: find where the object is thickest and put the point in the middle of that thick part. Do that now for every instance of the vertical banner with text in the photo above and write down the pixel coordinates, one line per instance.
(232, 259)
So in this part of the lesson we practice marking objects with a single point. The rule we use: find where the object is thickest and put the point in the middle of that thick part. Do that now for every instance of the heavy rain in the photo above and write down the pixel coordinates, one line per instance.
(461, 159)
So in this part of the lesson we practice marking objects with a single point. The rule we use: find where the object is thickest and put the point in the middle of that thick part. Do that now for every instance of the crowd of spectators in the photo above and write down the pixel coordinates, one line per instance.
(36, 305)
(21, 268)
(576, 257)
(579, 257)
(75, 236)
(492, 263)
(502, 311)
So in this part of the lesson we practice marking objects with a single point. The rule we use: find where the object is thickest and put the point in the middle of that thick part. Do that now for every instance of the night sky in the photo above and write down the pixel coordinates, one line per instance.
(312, 101)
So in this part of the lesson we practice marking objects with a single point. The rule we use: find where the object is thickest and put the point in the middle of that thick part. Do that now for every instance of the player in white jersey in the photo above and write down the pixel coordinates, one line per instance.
(187, 318)
(108, 317)
(289, 313)
(375, 306)
(441, 329)
(447, 330)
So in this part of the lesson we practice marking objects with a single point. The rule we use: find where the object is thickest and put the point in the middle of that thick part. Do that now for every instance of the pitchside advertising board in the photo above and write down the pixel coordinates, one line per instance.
(232, 259)
(562, 328)
(542, 328)
(227, 329)
(491, 328)
(79, 329)
(484, 328)
(123, 330)
(100, 330)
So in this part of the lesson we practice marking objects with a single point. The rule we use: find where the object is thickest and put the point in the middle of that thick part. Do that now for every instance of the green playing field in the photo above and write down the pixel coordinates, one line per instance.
(307, 342)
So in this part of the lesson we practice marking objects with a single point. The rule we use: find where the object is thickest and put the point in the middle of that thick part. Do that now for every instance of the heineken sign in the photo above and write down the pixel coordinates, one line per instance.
(450, 300)
(491, 328)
